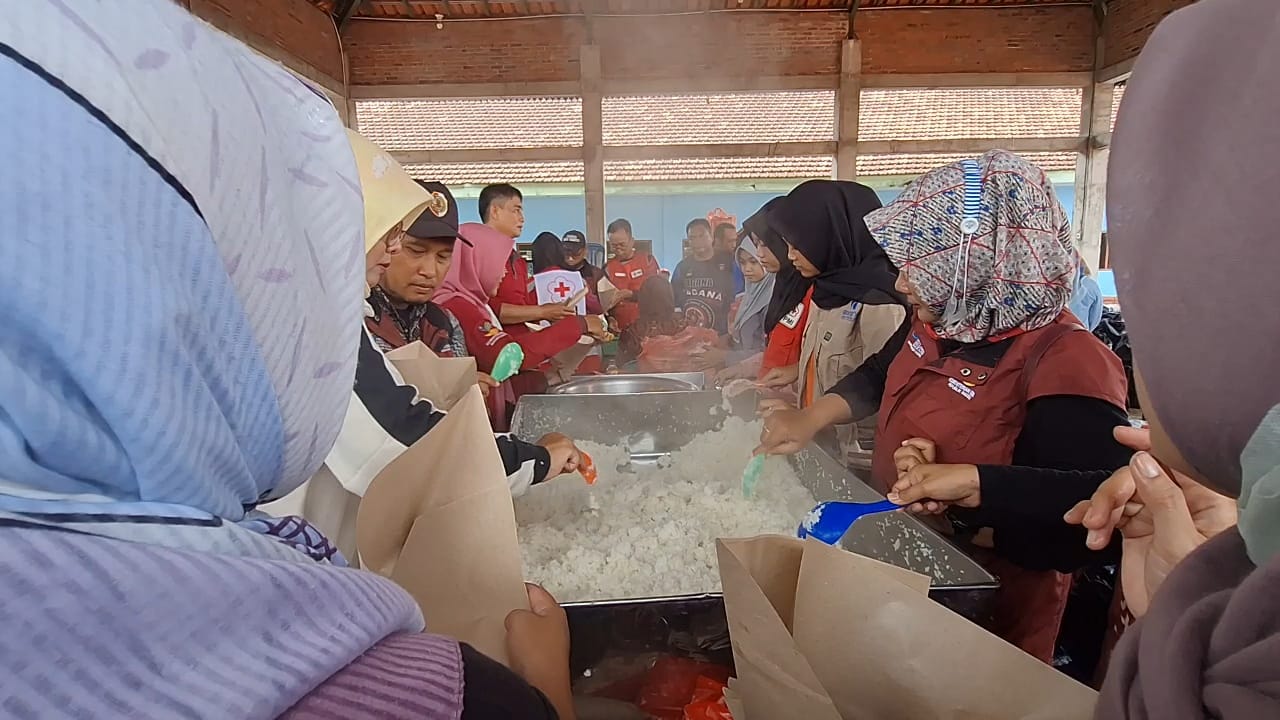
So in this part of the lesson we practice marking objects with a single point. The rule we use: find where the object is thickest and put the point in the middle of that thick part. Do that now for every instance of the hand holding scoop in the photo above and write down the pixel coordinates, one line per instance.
(510, 358)
(587, 468)
(829, 521)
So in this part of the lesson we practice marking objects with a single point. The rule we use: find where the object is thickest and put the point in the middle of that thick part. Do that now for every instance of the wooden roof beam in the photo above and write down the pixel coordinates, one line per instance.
(345, 10)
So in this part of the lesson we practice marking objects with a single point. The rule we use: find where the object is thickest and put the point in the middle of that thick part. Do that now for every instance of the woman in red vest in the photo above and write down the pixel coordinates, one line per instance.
(996, 407)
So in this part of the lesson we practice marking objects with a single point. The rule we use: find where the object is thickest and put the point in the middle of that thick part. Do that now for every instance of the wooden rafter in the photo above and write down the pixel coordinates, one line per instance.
(345, 10)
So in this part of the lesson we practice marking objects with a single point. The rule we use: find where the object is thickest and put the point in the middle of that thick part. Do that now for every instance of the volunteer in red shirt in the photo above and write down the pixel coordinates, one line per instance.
(996, 407)
(471, 283)
(515, 303)
(628, 270)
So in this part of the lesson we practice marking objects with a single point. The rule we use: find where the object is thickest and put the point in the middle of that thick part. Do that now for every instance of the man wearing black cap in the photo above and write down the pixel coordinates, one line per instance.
(390, 412)
(574, 244)
(402, 311)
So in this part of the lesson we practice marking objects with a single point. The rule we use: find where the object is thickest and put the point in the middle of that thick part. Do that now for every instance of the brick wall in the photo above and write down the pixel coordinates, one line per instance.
(721, 44)
(293, 32)
(394, 53)
(1129, 23)
(1050, 39)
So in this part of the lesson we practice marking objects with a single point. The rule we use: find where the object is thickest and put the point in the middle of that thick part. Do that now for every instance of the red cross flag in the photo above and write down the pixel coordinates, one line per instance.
(558, 286)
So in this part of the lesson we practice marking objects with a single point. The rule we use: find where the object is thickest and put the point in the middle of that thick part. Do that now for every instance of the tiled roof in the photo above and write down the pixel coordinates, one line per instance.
(717, 118)
(1115, 103)
(496, 172)
(733, 168)
(793, 116)
(908, 165)
(459, 123)
(927, 114)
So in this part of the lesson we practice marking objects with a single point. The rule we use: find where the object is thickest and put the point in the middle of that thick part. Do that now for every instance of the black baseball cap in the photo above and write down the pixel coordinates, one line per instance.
(574, 237)
(439, 221)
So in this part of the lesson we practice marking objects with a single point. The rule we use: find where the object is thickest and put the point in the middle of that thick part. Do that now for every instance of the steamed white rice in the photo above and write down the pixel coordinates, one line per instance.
(653, 532)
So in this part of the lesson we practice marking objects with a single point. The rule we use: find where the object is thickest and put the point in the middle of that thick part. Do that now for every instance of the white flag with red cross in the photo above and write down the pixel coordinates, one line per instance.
(558, 286)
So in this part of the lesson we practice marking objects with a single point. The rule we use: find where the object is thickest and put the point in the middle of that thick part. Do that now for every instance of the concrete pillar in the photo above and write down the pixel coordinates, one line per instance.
(1091, 171)
(592, 142)
(348, 109)
(848, 100)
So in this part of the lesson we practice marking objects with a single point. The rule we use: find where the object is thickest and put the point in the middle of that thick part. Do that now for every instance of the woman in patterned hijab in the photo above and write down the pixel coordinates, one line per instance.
(995, 407)
(1014, 268)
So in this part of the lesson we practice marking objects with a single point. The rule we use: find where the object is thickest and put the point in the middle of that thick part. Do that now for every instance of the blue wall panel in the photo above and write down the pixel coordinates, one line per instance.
(660, 218)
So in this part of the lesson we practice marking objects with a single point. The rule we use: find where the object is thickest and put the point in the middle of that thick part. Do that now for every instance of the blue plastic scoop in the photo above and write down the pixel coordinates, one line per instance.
(508, 363)
(829, 521)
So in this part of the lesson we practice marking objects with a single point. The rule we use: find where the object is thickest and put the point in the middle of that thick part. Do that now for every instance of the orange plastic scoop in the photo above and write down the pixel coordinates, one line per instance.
(588, 469)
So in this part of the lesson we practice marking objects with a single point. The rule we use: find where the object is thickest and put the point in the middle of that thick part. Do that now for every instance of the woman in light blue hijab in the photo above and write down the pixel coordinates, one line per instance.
(1086, 298)
(181, 284)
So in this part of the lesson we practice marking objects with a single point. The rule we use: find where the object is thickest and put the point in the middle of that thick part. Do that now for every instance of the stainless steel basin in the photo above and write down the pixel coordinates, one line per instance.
(630, 384)
(655, 424)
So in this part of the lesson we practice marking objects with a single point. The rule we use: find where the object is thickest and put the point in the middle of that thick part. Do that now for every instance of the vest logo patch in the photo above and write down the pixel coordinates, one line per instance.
(917, 347)
(637, 272)
(791, 319)
(960, 388)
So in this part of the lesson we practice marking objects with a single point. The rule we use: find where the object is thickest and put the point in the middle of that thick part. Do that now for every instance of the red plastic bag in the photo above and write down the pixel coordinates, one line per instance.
(707, 701)
(671, 685)
(674, 353)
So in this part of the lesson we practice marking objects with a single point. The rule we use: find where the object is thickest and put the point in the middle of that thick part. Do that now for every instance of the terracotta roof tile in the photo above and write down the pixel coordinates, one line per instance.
(494, 172)
(1115, 103)
(460, 123)
(918, 114)
(924, 114)
(911, 165)
(792, 116)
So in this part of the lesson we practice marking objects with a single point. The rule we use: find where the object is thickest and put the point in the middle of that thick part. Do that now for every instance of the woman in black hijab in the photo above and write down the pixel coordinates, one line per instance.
(853, 308)
(821, 221)
(789, 285)
(547, 253)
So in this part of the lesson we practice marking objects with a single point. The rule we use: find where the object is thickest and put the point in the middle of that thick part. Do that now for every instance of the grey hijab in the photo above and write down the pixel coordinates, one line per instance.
(1193, 214)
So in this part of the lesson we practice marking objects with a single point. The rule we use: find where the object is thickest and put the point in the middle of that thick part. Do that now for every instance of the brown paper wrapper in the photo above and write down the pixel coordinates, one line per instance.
(439, 520)
(822, 633)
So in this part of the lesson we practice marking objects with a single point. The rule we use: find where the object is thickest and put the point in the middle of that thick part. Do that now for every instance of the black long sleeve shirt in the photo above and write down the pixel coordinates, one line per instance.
(404, 416)
(1064, 451)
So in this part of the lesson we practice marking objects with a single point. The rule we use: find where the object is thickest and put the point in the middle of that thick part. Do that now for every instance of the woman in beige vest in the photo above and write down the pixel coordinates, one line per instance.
(853, 308)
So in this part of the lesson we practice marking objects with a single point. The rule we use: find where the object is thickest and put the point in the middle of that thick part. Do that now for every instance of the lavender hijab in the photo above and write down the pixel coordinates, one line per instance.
(181, 287)
(1193, 220)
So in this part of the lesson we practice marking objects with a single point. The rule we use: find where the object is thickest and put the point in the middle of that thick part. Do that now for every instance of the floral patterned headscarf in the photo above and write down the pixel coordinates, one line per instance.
(990, 261)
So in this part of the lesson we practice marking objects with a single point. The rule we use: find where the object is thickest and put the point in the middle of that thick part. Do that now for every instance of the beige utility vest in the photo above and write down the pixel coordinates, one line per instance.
(839, 340)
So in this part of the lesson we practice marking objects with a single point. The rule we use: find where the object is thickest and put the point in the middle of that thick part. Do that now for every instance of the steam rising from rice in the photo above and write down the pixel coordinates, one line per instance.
(653, 532)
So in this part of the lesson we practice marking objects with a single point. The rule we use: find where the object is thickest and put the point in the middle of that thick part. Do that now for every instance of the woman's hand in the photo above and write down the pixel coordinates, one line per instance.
(780, 377)
(552, 312)
(1162, 516)
(931, 489)
(596, 327)
(738, 371)
(565, 455)
(486, 383)
(786, 432)
(769, 406)
(913, 452)
(538, 648)
(708, 358)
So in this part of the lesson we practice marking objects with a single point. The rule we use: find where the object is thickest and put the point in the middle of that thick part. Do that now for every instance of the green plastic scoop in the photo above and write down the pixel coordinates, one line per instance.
(510, 358)
(751, 476)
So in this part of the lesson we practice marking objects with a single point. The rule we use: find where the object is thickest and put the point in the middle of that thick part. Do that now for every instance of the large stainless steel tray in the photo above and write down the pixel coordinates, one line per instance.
(630, 384)
(653, 424)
